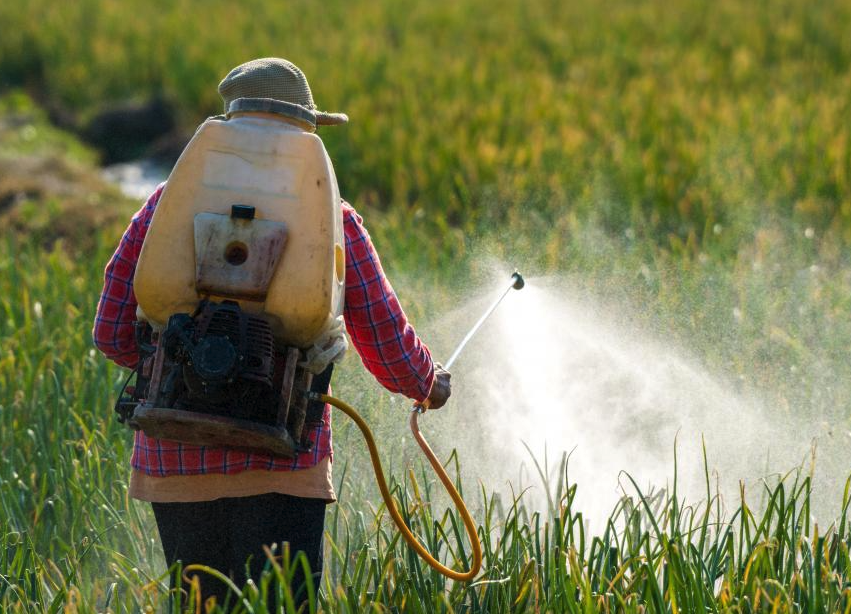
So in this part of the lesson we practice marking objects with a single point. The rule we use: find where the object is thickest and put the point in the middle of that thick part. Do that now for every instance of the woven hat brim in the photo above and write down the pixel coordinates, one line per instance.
(331, 119)
(287, 109)
(270, 105)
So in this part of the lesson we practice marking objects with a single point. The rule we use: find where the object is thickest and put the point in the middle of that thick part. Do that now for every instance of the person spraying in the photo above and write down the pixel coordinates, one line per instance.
(228, 295)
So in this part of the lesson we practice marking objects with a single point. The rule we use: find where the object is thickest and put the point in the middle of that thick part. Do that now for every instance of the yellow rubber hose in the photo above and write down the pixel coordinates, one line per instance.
(469, 525)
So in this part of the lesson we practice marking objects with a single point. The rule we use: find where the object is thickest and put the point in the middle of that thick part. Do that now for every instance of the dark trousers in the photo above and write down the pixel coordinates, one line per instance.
(229, 535)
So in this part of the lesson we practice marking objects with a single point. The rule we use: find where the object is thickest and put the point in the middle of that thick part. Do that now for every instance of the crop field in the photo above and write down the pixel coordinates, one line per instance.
(688, 163)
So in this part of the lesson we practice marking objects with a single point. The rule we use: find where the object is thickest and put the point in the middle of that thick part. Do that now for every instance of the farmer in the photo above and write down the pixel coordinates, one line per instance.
(220, 507)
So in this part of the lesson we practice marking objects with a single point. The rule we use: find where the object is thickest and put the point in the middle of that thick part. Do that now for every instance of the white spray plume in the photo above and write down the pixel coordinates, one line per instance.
(557, 372)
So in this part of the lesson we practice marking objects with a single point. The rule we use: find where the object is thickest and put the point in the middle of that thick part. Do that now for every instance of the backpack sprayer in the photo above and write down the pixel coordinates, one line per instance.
(240, 288)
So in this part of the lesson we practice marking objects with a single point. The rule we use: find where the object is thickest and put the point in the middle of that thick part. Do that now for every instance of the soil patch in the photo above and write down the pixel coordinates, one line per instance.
(49, 199)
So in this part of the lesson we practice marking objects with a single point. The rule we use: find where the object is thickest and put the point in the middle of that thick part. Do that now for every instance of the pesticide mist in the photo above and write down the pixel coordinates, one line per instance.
(555, 372)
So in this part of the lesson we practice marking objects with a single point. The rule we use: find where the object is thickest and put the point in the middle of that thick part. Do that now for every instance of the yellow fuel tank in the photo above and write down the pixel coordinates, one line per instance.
(288, 262)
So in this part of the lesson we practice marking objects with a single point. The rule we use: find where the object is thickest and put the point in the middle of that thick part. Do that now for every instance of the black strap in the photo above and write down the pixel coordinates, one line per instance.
(127, 402)
(321, 383)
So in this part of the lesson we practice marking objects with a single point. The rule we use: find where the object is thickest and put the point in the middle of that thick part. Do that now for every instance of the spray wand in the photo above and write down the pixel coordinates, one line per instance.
(462, 576)
(517, 283)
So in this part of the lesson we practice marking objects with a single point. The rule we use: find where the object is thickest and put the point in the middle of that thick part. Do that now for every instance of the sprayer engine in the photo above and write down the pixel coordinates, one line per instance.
(217, 378)
(221, 361)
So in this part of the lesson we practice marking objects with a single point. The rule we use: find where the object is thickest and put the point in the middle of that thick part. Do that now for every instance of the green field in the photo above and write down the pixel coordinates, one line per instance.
(690, 162)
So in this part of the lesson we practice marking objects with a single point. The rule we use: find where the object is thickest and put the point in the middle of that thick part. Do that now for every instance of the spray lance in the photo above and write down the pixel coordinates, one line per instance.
(517, 283)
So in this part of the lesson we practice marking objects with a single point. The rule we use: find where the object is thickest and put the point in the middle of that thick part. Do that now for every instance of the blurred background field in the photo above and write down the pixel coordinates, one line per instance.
(688, 162)
(663, 119)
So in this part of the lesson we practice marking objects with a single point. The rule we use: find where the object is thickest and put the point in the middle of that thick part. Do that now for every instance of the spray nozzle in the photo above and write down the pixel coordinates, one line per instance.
(518, 281)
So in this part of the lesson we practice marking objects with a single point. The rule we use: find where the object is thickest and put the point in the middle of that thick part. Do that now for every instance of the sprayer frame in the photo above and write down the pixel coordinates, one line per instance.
(282, 439)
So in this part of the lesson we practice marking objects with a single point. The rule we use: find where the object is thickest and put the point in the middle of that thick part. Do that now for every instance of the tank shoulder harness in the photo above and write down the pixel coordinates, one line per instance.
(240, 274)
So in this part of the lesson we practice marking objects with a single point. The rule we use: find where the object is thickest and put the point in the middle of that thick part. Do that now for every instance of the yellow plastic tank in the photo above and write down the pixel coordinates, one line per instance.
(288, 262)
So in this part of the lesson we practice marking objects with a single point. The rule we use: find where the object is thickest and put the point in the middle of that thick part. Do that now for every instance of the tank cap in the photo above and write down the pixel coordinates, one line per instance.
(242, 212)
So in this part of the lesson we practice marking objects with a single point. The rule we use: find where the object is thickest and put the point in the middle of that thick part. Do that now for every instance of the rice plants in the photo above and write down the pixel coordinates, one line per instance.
(70, 540)
(693, 160)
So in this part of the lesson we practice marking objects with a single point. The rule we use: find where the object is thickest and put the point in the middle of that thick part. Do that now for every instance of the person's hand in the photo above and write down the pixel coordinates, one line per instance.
(441, 388)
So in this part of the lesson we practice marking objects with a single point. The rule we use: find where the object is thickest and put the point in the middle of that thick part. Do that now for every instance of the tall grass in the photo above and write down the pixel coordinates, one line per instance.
(645, 117)
(692, 160)
(71, 539)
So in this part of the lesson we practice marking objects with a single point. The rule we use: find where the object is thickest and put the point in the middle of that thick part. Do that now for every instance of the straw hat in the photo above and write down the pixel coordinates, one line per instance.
(273, 85)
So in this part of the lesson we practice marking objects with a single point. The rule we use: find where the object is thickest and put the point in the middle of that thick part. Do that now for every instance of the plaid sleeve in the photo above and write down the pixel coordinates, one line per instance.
(386, 342)
(114, 332)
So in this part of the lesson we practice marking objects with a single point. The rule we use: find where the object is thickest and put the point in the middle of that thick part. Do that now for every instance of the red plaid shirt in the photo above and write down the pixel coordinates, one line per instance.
(377, 326)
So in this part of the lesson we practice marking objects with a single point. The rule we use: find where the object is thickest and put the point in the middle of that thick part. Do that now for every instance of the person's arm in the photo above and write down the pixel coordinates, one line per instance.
(386, 342)
(114, 331)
